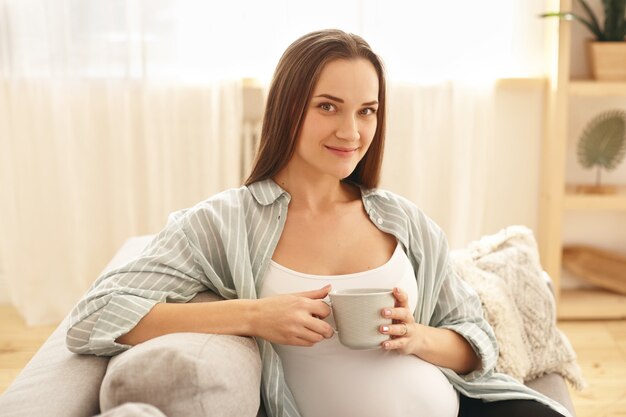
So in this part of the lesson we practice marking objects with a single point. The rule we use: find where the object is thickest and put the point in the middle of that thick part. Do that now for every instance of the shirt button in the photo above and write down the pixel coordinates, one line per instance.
(379, 221)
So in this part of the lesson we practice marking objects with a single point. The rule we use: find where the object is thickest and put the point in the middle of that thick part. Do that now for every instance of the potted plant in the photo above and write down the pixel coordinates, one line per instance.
(603, 145)
(608, 51)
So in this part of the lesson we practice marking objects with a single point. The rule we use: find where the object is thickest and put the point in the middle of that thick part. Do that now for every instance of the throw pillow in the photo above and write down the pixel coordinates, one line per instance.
(187, 374)
(505, 271)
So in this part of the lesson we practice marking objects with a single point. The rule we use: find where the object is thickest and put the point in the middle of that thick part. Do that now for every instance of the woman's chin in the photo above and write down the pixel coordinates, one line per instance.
(342, 175)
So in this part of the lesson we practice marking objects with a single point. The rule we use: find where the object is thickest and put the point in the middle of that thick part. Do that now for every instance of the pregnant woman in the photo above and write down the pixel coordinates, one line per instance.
(310, 218)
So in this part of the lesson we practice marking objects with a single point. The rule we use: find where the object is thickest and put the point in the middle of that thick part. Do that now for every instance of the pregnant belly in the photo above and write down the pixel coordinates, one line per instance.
(365, 383)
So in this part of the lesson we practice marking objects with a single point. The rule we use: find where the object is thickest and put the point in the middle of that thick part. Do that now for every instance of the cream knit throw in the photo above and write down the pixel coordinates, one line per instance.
(504, 270)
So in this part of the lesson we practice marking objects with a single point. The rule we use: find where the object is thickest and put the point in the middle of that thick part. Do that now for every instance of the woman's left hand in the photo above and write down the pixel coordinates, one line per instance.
(439, 346)
(405, 332)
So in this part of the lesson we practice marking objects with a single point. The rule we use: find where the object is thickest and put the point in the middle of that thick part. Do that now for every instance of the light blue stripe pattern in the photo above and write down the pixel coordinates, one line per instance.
(225, 244)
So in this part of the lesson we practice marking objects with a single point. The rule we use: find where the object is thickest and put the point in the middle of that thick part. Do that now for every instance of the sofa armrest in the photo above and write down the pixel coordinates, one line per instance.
(131, 248)
(56, 383)
(553, 386)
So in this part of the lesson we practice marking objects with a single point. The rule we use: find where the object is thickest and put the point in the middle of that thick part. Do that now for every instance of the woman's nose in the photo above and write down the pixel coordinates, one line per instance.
(348, 129)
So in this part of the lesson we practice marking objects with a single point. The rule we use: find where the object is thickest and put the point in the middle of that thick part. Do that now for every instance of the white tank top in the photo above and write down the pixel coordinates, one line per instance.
(330, 380)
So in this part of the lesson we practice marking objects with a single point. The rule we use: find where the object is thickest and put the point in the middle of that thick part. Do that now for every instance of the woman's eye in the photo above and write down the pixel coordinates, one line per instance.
(367, 111)
(327, 107)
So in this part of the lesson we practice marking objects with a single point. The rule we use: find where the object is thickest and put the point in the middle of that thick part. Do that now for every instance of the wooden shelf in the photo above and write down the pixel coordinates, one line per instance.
(591, 304)
(578, 201)
(556, 198)
(591, 88)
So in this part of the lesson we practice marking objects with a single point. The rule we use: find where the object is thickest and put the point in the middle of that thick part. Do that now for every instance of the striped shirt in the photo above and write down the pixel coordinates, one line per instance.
(225, 244)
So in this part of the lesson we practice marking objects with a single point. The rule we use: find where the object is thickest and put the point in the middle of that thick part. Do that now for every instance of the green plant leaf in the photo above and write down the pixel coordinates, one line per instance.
(614, 23)
(614, 19)
(592, 16)
(572, 16)
(603, 143)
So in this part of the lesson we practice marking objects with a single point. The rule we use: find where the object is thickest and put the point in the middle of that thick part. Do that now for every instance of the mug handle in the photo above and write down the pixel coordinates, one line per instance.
(327, 301)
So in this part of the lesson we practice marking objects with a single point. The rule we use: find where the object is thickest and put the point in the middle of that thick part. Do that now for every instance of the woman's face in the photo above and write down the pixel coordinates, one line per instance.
(340, 121)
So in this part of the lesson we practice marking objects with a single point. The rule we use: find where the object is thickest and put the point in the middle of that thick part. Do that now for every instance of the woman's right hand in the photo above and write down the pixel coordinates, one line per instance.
(293, 319)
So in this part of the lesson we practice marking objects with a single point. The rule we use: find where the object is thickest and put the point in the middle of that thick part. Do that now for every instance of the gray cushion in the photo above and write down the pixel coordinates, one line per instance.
(187, 374)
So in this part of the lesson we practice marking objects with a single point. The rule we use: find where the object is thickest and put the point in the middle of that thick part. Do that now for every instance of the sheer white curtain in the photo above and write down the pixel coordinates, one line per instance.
(438, 152)
(95, 148)
(115, 112)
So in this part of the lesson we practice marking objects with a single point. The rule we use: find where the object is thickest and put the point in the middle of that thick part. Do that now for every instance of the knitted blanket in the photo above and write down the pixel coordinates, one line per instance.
(505, 271)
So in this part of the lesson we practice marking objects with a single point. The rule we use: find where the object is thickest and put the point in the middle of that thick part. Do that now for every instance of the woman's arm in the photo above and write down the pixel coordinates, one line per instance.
(293, 319)
(219, 317)
(453, 331)
(147, 297)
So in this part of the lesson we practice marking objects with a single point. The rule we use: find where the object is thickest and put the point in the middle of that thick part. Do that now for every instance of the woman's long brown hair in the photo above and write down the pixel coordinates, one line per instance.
(295, 77)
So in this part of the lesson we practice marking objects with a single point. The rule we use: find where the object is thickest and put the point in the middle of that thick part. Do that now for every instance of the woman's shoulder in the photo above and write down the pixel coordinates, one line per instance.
(259, 193)
(231, 197)
(390, 199)
(416, 217)
(250, 200)
(226, 202)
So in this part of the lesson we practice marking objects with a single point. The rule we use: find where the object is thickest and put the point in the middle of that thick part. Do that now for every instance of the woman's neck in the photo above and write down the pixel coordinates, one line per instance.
(315, 194)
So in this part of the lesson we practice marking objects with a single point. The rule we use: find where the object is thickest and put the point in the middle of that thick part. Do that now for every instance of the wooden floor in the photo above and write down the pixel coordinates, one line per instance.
(601, 350)
(600, 345)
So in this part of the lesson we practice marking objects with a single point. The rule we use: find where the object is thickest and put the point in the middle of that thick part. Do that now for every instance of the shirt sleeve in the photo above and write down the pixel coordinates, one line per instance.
(166, 271)
(459, 309)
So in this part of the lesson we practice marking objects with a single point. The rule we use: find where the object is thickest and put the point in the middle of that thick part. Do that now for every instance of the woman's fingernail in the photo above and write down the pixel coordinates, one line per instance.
(385, 329)
(386, 345)
(387, 312)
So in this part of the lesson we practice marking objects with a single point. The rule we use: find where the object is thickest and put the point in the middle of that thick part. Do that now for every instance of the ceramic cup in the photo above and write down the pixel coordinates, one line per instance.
(357, 314)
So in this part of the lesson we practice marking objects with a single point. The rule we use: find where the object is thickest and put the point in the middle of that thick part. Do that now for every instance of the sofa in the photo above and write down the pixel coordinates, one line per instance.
(189, 374)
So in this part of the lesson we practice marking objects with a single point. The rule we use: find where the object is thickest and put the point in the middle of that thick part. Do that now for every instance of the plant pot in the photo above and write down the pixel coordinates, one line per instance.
(608, 60)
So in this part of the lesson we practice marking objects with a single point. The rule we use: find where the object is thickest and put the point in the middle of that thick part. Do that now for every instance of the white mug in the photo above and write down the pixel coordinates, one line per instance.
(358, 317)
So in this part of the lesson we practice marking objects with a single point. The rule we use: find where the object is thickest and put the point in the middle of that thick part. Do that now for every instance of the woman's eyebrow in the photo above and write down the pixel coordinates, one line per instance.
(339, 100)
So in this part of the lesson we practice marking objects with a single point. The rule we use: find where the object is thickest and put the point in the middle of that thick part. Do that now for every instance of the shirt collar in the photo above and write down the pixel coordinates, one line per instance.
(266, 192)
(368, 193)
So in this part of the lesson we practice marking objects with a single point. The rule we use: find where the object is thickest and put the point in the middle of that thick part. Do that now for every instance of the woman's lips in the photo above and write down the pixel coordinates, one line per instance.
(343, 152)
